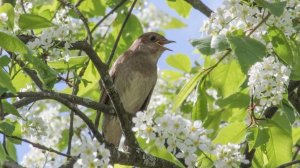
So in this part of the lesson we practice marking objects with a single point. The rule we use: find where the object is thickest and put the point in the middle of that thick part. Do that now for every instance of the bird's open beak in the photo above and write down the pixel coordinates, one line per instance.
(164, 42)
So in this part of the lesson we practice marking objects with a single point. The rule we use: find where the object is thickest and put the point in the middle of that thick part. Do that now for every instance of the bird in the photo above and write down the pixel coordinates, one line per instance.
(134, 75)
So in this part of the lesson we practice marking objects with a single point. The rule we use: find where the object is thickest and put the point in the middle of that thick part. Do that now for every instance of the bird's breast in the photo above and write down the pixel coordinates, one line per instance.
(134, 87)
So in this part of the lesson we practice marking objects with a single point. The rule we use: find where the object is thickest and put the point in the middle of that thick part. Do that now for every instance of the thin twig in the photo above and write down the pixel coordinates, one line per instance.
(78, 3)
(74, 93)
(259, 24)
(296, 152)
(107, 15)
(289, 164)
(120, 33)
(37, 145)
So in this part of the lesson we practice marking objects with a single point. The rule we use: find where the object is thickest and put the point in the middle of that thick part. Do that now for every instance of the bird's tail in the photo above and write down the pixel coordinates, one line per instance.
(111, 129)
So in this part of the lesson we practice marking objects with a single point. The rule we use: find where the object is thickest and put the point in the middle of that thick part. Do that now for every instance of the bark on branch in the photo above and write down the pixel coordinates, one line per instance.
(200, 6)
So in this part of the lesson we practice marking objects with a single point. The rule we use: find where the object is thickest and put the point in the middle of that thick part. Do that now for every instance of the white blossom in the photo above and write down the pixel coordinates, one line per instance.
(3, 17)
(229, 156)
(92, 155)
(182, 137)
(268, 81)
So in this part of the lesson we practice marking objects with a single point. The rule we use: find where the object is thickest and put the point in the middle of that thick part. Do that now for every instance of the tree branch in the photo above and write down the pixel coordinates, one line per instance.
(57, 96)
(289, 164)
(200, 6)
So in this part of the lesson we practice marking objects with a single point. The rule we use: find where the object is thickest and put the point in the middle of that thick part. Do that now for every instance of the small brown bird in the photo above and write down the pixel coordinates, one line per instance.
(134, 75)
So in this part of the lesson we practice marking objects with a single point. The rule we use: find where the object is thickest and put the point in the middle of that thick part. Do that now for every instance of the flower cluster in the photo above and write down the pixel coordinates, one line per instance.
(229, 156)
(3, 17)
(181, 136)
(44, 124)
(268, 80)
(234, 14)
(92, 154)
(153, 19)
(63, 30)
(184, 138)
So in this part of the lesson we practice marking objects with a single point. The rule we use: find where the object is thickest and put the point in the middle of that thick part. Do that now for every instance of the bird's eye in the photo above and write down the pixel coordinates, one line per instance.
(152, 38)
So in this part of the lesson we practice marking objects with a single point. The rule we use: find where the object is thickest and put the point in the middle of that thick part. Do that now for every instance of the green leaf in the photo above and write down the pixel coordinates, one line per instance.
(295, 75)
(203, 45)
(11, 149)
(90, 90)
(10, 42)
(10, 109)
(280, 45)
(158, 152)
(233, 133)
(276, 8)
(47, 74)
(296, 135)
(247, 50)
(31, 21)
(6, 127)
(171, 75)
(227, 78)
(2, 154)
(181, 7)
(282, 121)
(289, 111)
(200, 108)
(174, 24)
(63, 142)
(180, 61)
(128, 36)
(186, 90)
(4, 61)
(17, 132)
(73, 62)
(257, 137)
(279, 147)
(259, 158)
(219, 43)
(236, 100)
(92, 8)
(5, 81)
(9, 10)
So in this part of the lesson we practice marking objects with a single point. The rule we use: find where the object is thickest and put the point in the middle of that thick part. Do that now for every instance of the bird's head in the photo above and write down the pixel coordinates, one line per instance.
(151, 42)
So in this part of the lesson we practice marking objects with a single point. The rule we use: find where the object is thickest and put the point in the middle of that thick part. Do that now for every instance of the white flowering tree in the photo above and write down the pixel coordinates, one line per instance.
(240, 108)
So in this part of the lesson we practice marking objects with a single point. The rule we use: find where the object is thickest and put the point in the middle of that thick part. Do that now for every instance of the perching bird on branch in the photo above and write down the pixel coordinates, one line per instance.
(134, 75)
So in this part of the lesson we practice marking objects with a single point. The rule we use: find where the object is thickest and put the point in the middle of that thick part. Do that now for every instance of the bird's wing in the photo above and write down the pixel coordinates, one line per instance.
(104, 97)
(112, 72)
(146, 103)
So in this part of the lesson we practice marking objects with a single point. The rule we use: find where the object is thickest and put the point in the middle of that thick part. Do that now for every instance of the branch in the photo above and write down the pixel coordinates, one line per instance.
(11, 164)
(120, 33)
(77, 82)
(36, 145)
(289, 164)
(294, 94)
(70, 163)
(58, 96)
(200, 6)
(31, 73)
(107, 15)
